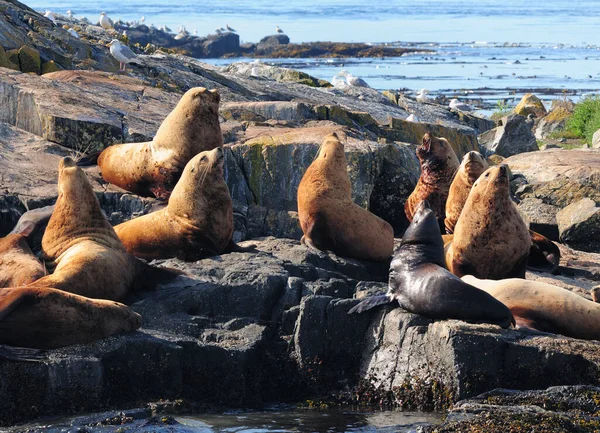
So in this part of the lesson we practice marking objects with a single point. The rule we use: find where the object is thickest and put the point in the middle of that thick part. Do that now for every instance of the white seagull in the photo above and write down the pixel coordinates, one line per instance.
(142, 19)
(278, 30)
(412, 118)
(70, 14)
(352, 80)
(230, 29)
(460, 106)
(105, 21)
(50, 16)
(122, 53)
(195, 32)
(73, 33)
(422, 95)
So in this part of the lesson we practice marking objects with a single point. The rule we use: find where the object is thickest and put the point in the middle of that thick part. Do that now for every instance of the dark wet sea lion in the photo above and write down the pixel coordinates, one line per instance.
(330, 220)
(197, 222)
(491, 240)
(421, 284)
(46, 318)
(545, 307)
(438, 165)
(153, 168)
(471, 167)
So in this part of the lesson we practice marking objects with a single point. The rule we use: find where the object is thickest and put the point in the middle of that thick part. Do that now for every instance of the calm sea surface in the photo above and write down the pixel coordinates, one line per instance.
(484, 50)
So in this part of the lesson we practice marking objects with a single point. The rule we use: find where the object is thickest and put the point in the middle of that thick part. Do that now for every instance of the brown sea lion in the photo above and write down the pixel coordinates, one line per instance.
(471, 167)
(545, 307)
(46, 318)
(438, 165)
(329, 218)
(153, 168)
(595, 293)
(421, 284)
(491, 240)
(18, 265)
(197, 222)
(81, 247)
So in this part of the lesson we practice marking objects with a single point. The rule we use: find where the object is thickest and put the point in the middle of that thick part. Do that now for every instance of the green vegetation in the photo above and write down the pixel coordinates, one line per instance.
(502, 109)
(585, 119)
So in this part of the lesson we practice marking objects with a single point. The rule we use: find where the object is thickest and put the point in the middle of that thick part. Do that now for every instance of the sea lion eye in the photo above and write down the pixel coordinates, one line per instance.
(204, 158)
(487, 175)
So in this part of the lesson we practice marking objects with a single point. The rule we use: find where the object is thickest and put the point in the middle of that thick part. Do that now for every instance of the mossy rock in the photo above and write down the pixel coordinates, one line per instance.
(50, 66)
(495, 159)
(29, 60)
(392, 96)
(5, 61)
(531, 104)
(13, 57)
(559, 114)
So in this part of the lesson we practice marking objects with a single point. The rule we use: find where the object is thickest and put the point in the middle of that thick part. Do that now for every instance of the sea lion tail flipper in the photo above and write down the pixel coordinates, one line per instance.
(232, 247)
(20, 354)
(88, 159)
(33, 219)
(370, 302)
(544, 255)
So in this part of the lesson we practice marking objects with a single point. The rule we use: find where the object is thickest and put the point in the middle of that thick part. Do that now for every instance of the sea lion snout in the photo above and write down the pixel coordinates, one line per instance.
(66, 162)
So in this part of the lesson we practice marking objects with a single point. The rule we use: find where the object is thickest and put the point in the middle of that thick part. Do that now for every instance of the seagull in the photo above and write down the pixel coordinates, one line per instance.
(195, 32)
(122, 53)
(70, 14)
(255, 71)
(460, 106)
(412, 118)
(218, 30)
(352, 80)
(180, 36)
(50, 16)
(167, 29)
(105, 21)
(230, 29)
(142, 19)
(338, 82)
(73, 33)
(278, 30)
(422, 95)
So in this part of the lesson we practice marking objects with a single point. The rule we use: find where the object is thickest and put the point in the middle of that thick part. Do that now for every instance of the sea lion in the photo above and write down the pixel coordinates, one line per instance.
(421, 284)
(81, 247)
(153, 168)
(197, 222)
(18, 264)
(438, 165)
(471, 167)
(330, 220)
(545, 307)
(595, 293)
(46, 318)
(491, 240)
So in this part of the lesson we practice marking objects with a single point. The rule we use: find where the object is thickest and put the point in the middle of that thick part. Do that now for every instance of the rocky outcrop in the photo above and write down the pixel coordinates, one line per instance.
(558, 177)
(531, 104)
(540, 216)
(555, 121)
(272, 41)
(512, 137)
(579, 225)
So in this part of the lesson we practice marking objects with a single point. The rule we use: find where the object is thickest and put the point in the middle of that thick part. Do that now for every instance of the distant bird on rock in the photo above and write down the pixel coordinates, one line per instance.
(230, 29)
(142, 19)
(195, 32)
(455, 104)
(122, 53)
(352, 80)
(278, 30)
(218, 30)
(70, 14)
(105, 21)
(422, 95)
(73, 33)
(50, 16)
(412, 118)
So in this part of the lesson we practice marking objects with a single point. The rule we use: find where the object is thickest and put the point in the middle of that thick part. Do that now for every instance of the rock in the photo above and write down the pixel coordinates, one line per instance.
(48, 67)
(554, 121)
(5, 62)
(579, 225)
(272, 41)
(531, 104)
(297, 112)
(559, 177)
(29, 60)
(513, 136)
(478, 122)
(596, 140)
(560, 408)
(541, 216)
(282, 75)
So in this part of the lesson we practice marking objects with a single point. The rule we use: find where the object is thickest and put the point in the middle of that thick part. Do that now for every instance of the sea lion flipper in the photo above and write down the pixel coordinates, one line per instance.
(32, 220)
(520, 268)
(233, 247)
(20, 354)
(544, 255)
(369, 303)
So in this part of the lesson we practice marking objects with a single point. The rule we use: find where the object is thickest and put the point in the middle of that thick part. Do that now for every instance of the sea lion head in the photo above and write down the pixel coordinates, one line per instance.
(72, 181)
(331, 150)
(472, 165)
(207, 164)
(201, 98)
(436, 153)
(494, 182)
(424, 227)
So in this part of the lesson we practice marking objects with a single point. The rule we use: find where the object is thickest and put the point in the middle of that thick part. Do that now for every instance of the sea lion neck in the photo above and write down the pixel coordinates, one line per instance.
(422, 241)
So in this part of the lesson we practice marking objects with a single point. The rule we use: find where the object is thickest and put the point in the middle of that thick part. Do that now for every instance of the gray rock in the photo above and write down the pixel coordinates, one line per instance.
(541, 216)
(596, 140)
(579, 225)
(272, 41)
(512, 137)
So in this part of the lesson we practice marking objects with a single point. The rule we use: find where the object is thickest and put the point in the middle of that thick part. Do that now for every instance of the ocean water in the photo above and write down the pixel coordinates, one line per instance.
(484, 50)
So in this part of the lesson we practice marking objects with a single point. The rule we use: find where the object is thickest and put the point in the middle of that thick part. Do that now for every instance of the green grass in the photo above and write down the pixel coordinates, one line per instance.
(502, 109)
(585, 119)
